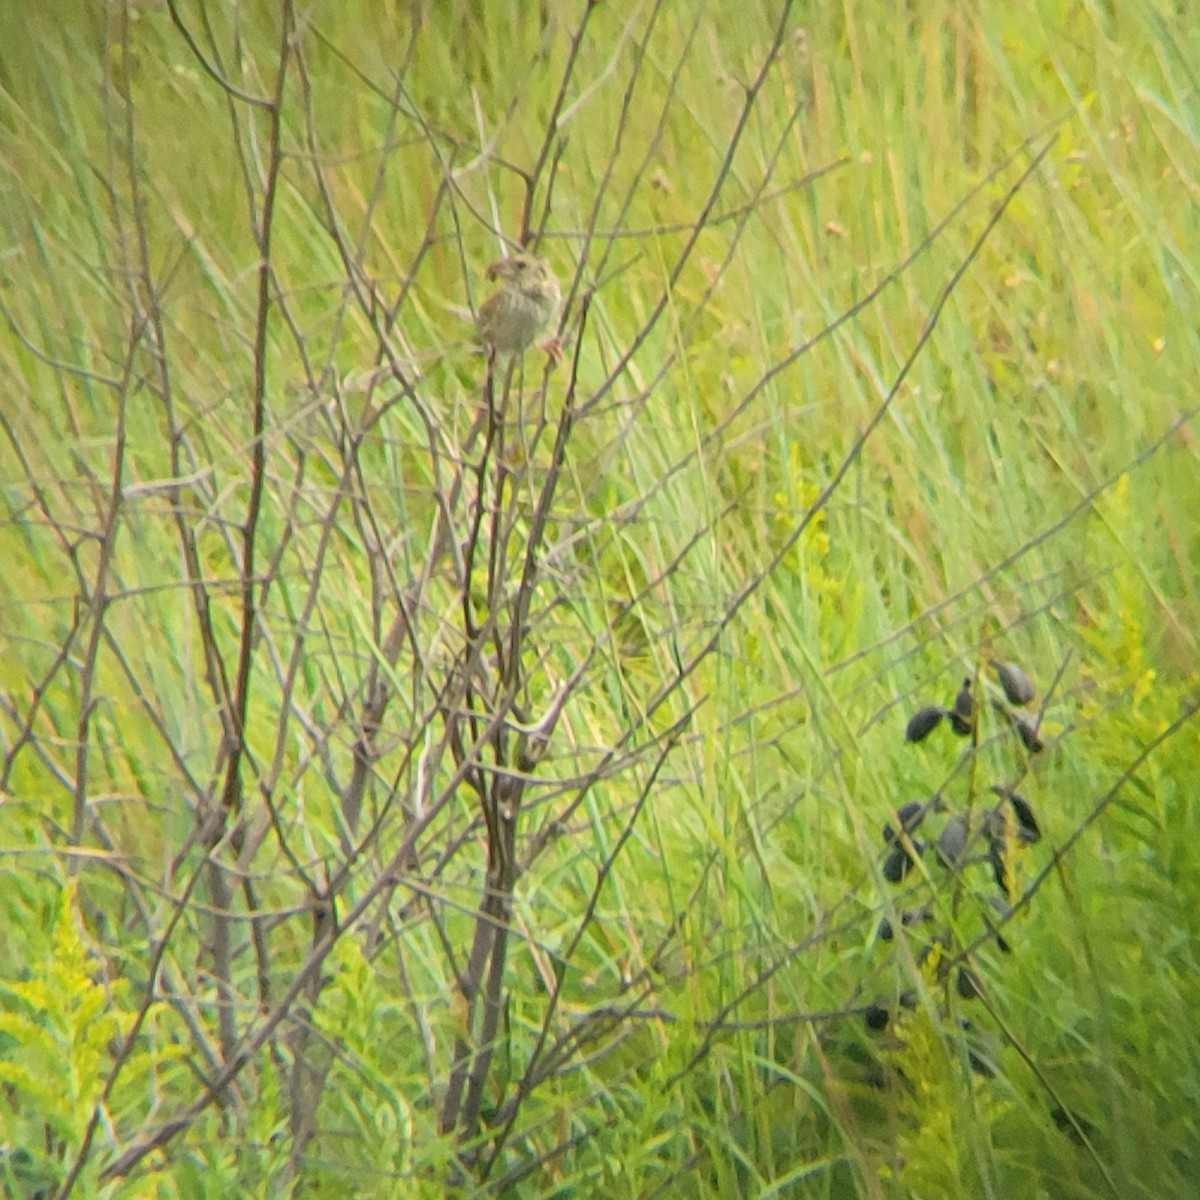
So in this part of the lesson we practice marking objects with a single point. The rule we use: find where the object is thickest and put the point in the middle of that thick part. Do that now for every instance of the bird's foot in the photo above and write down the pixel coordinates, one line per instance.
(553, 350)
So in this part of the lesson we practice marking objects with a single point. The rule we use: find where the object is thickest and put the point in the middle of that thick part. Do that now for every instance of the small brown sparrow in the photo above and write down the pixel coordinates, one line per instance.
(525, 304)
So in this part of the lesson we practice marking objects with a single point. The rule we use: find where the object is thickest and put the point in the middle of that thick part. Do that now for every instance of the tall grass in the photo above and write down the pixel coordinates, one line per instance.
(429, 776)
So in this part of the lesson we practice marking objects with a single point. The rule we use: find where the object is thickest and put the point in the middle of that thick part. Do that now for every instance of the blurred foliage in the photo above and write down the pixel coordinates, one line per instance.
(767, 548)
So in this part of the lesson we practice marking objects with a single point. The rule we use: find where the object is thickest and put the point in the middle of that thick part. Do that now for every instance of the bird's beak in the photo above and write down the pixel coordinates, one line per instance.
(499, 269)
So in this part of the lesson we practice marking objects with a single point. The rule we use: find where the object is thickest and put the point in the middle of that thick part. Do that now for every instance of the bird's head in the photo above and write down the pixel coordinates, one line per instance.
(525, 271)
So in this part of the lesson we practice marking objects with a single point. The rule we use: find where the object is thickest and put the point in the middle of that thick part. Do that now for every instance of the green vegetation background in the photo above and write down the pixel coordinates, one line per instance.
(761, 567)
